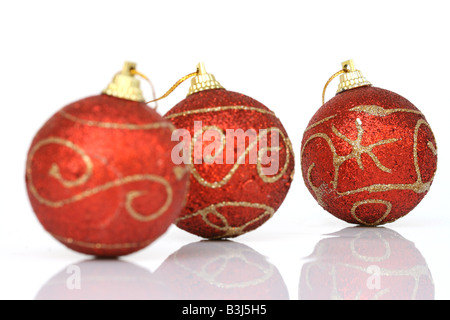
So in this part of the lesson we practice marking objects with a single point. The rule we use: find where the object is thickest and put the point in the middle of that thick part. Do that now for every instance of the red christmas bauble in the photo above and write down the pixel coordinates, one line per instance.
(366, 264)
(245, 179)
(100, 177)
(368, 156)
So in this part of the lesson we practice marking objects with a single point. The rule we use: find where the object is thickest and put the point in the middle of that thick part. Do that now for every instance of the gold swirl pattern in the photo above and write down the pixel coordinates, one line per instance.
(98, 245)
(358, 203)
(54, 172)
(320, 122)
(258, 158)
(369, 109)
(357, 150)
(241, 159)
(381, 112)
(122, 126)
(229, 231)
(54, 169)
(219, 109)
(208, 158)
(431, 146)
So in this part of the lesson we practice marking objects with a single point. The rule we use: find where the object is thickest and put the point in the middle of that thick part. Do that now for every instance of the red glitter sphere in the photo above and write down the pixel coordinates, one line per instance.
(239, 177)
(368, 156)
(100, 178)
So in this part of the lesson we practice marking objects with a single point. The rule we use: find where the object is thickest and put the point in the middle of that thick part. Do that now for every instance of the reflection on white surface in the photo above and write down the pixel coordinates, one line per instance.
(221, 270)
(201, 270)
(103, 279)
(366, 263)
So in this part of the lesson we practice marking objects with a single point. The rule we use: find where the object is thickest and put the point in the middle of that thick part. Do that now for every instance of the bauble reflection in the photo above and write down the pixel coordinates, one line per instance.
(361, 263)
(103, 279)
(221, 270)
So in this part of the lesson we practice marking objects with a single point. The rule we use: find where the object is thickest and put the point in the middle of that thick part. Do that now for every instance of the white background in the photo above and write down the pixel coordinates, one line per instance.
(278, 52)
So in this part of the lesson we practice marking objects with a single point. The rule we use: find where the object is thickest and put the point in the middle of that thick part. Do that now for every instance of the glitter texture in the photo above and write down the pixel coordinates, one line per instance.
(228, 199)
(100, 176)
(368, 156)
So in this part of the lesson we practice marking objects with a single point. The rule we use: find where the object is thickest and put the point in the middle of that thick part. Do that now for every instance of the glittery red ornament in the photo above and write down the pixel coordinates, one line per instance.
(230, 198)
(368, 156)
(100, 178)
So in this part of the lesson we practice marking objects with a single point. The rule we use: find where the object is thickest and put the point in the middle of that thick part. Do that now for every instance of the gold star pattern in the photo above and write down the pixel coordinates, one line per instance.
(358, 150)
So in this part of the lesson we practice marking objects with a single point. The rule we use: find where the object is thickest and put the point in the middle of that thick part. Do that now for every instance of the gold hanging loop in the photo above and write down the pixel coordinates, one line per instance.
(190, 75)
(328, 82)
(143, 76)
(350, 78)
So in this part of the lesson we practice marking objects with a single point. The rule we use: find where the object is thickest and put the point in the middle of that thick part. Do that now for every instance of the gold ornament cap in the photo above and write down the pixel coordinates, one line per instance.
(203, 81)
(124, 85)
(351, 78)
